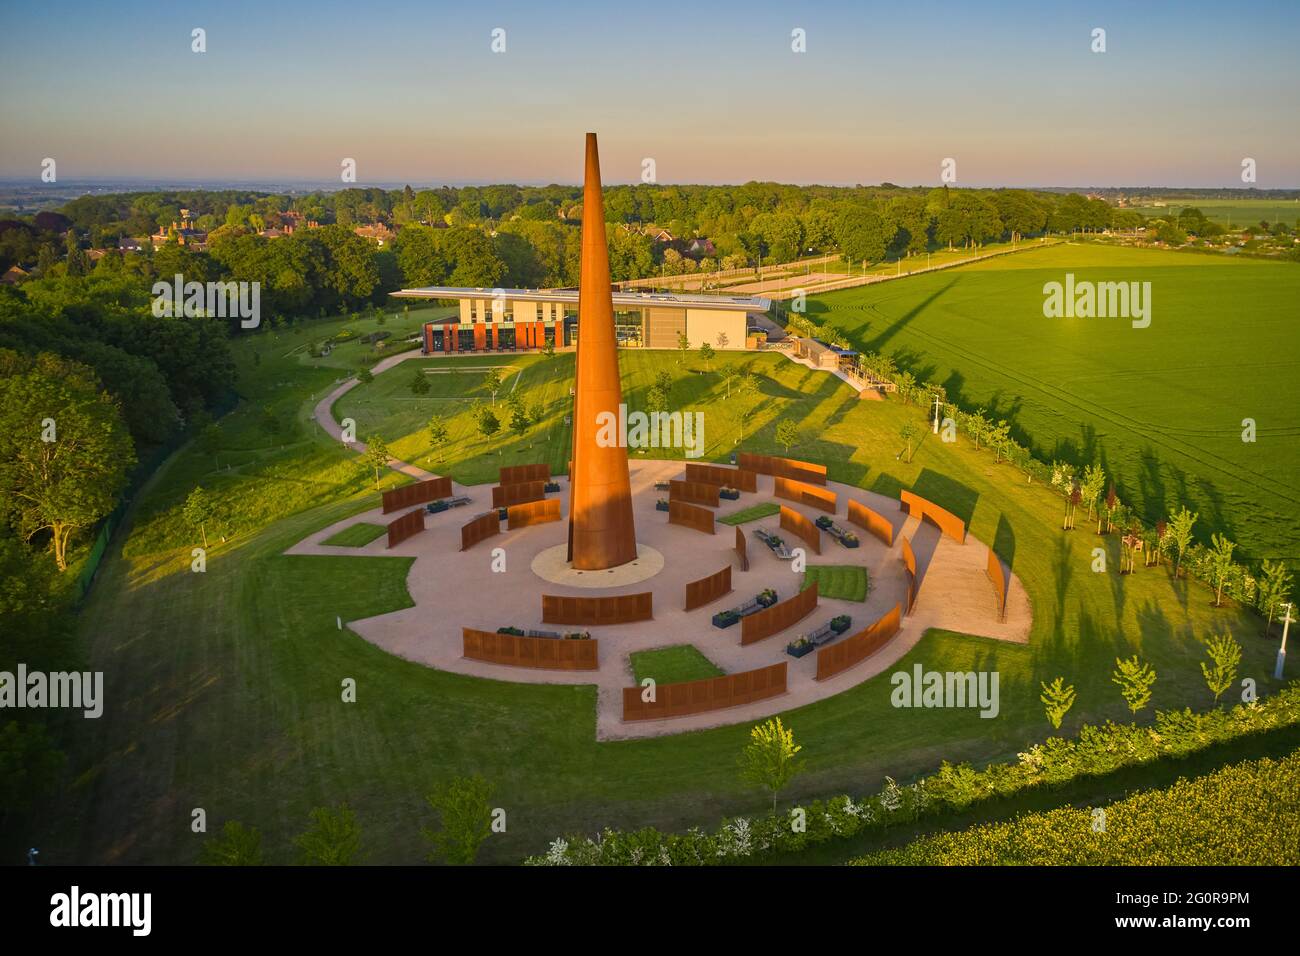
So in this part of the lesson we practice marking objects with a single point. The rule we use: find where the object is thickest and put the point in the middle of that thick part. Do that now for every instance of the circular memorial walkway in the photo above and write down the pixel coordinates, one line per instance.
(453, 589)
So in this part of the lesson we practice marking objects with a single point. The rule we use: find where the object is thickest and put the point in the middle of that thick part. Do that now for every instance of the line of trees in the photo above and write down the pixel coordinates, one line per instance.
(529, 236)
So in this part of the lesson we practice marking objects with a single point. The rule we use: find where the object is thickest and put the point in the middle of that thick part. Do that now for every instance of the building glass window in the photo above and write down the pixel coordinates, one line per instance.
(628, 328)
(465, 340)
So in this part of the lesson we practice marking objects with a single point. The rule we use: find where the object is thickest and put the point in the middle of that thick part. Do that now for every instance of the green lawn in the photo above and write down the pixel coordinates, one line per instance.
(356, 536)
(848, 582)
(672, 665)
(223, 688)
(1161, 407)
(764, 510)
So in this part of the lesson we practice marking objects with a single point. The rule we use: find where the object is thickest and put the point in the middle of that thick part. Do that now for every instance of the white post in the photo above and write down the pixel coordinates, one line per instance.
(1281, 653)
(936, 414)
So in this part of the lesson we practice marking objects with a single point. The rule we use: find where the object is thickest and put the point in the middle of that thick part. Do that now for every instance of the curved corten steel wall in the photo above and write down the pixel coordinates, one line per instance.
(503, 496)
(692, 516)
(481, 528)
(416, 494)
(948, 522)
(408, 524)
(839, 657)
(546, 653)
(719, 475)
(532, 512)
(700, 696)
(693, 492)
(706, 590)
(623, 609)
(778, 617)
(516, 474)
(742, 549)
(864, 517)
(783, 467)
(805, 493)
(796, 523)
(909, 562)
(998, 580)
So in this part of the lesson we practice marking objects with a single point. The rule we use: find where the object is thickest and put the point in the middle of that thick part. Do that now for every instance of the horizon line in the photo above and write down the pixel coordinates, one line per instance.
(331, 185)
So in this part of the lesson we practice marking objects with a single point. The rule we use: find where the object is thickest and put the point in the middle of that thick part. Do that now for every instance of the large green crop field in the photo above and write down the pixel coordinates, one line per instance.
(1161, 407)
(1231, 212)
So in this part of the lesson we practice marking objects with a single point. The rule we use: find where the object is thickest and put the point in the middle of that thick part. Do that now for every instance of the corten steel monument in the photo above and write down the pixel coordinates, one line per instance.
(601, 531)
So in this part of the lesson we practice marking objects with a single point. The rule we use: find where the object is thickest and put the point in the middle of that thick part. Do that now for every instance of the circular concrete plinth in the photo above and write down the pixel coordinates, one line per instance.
(553, 565)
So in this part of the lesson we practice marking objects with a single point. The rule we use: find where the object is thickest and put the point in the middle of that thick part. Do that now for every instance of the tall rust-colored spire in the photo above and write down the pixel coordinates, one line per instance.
(601, 531)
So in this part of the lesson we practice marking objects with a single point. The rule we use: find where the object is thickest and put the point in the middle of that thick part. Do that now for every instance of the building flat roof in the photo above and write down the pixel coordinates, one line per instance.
(730, 303)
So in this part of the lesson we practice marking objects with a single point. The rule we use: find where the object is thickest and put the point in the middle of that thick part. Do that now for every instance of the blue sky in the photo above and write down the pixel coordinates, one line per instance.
(713, 93)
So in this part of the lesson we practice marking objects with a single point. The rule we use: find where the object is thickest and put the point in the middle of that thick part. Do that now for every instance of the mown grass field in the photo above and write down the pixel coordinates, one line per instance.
(1161, 407)
(224, 688)
(923, 260)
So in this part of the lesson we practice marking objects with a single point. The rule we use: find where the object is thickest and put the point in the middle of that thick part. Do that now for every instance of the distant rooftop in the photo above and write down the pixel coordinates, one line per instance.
(747, 303)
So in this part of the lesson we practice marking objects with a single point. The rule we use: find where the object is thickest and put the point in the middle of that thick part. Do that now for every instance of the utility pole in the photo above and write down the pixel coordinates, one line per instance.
(1281, 654)
(936, 414)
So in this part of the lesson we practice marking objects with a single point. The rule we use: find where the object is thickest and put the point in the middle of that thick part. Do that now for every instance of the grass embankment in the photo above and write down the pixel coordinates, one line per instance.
(223, 688)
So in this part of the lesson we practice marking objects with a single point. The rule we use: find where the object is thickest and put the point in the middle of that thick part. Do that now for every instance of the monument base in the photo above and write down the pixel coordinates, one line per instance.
(553, 565)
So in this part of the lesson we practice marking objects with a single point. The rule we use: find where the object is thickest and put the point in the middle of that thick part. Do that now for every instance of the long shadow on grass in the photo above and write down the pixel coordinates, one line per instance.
(876, 343)
(947, 493)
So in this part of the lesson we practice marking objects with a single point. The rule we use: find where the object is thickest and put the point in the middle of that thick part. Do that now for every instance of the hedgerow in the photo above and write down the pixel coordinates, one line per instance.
(1095, 751)
(1245, 814)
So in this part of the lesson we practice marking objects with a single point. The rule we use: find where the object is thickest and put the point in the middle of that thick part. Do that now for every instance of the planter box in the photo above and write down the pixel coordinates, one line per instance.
(725, 619)
(661, 506)
(842, 535)
(730, 494)
(794, 651)
(434, 507)
(827, 632)
(662, 486)
(515, 631)
(767, 601)
(552, 486)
